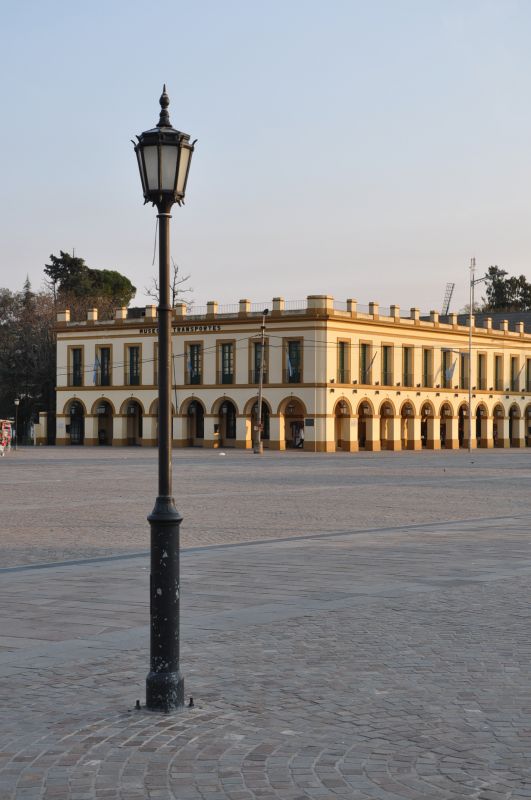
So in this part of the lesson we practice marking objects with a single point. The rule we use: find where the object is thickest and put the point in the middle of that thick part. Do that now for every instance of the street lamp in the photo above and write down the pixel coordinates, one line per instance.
(258, 444)
(17, 403)
(164, 156)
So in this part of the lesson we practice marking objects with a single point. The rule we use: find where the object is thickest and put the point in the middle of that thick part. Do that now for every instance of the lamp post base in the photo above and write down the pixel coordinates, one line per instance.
(164, 691)
(258, 448)
(164, 683)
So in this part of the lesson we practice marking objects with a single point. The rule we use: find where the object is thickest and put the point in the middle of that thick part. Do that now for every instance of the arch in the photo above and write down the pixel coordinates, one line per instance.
(342, 413)
(99, 402)
(515, 411)
(293, 413)
(406, 406)
(387, 414)
(76, 411)
(183, 410)
(446, 415)
(343, 407)
(70, 402)
(481, 414)
(283, 405)
(133, 410)
(195, 423)
(387, 405)
(128, 401)
(446, 410)
(366, 408)
(104, 412)
(216, 405)
(249, 405)
(154, 408)
(463, 427)
(427, 424)
(427, 409)
(407, 425)
(225, 428)
(498, 425)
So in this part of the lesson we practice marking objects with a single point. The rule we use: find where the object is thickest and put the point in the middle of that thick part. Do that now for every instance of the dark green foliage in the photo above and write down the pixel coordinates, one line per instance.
(69, 277)
(506, 293)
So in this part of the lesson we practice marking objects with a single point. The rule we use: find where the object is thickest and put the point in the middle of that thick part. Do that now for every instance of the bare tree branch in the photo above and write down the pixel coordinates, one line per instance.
(176, 287)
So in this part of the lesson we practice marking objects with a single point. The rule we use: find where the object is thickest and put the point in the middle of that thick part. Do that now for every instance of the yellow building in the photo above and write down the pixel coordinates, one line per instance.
(336, 377)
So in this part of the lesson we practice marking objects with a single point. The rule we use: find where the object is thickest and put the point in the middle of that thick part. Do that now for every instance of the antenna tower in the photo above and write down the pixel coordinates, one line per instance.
(447, 298)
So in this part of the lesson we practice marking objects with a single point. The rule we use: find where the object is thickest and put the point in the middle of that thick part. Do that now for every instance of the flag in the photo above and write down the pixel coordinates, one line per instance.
(450, 371)
(96, 368)
(290, 367)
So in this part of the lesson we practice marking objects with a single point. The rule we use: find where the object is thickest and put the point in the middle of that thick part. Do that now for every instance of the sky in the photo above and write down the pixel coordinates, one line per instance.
(360, 149)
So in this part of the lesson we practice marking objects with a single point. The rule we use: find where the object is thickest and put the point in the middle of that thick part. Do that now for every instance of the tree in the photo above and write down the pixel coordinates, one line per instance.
(27, 353)
(176, 287)
(506, 293)
(80, 287)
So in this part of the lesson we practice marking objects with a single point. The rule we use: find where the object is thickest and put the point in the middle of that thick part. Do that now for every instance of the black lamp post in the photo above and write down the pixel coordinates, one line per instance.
(164, 156)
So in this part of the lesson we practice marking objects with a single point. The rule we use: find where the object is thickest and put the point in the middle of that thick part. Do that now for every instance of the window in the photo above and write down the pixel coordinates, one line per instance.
(482, 371)
(132, 372)
(407, 366)
(193, 364)
(293, 362)
(528, 375)
(343, 372)
(156, 365)
(387, 365)
(256, 358)
(498, 373)
(515, 373)
(365, 363)
(226, 361)
(448, 363)
(427, 367)
(76, 367)
(102, 369)
(463, 370)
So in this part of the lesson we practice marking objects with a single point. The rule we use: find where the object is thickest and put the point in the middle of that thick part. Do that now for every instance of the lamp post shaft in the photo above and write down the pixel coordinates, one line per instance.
(164, 684)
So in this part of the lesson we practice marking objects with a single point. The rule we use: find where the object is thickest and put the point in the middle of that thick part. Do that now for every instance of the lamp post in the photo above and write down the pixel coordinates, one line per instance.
(164, 156)
(258, 444)
(17, 403)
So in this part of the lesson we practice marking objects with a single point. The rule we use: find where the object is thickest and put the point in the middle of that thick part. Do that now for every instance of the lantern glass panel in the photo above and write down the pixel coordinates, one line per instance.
(169, 155)
(141, 169)
(183, 169)
(152, 168)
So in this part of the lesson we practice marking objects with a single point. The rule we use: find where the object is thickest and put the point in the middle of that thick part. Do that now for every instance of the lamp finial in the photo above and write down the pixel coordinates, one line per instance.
(164, 121)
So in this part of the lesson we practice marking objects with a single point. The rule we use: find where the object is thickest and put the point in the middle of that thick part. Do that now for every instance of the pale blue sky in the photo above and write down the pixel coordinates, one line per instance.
(362, 149)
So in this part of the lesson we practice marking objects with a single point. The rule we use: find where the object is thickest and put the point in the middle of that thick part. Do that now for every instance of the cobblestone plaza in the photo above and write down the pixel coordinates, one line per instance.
(354, 628)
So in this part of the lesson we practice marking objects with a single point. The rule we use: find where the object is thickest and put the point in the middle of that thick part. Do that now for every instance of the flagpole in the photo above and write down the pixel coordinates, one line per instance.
(472, 272)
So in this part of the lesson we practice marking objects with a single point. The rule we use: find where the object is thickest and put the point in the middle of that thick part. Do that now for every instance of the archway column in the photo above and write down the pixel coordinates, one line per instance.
(373, 433)
(244, 434)
(487, 426)
(149, 431)
(353, 444)
(414, 438)
(91, 430)
(518, 432)
(119, 438)
(469, 437)
(277, 439)
(452, 433)
(433, 433)
(503, 432)
(394, 440)
(180, 430)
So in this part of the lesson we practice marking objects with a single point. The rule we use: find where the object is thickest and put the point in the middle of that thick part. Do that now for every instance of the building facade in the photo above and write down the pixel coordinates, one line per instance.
(335, 377)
